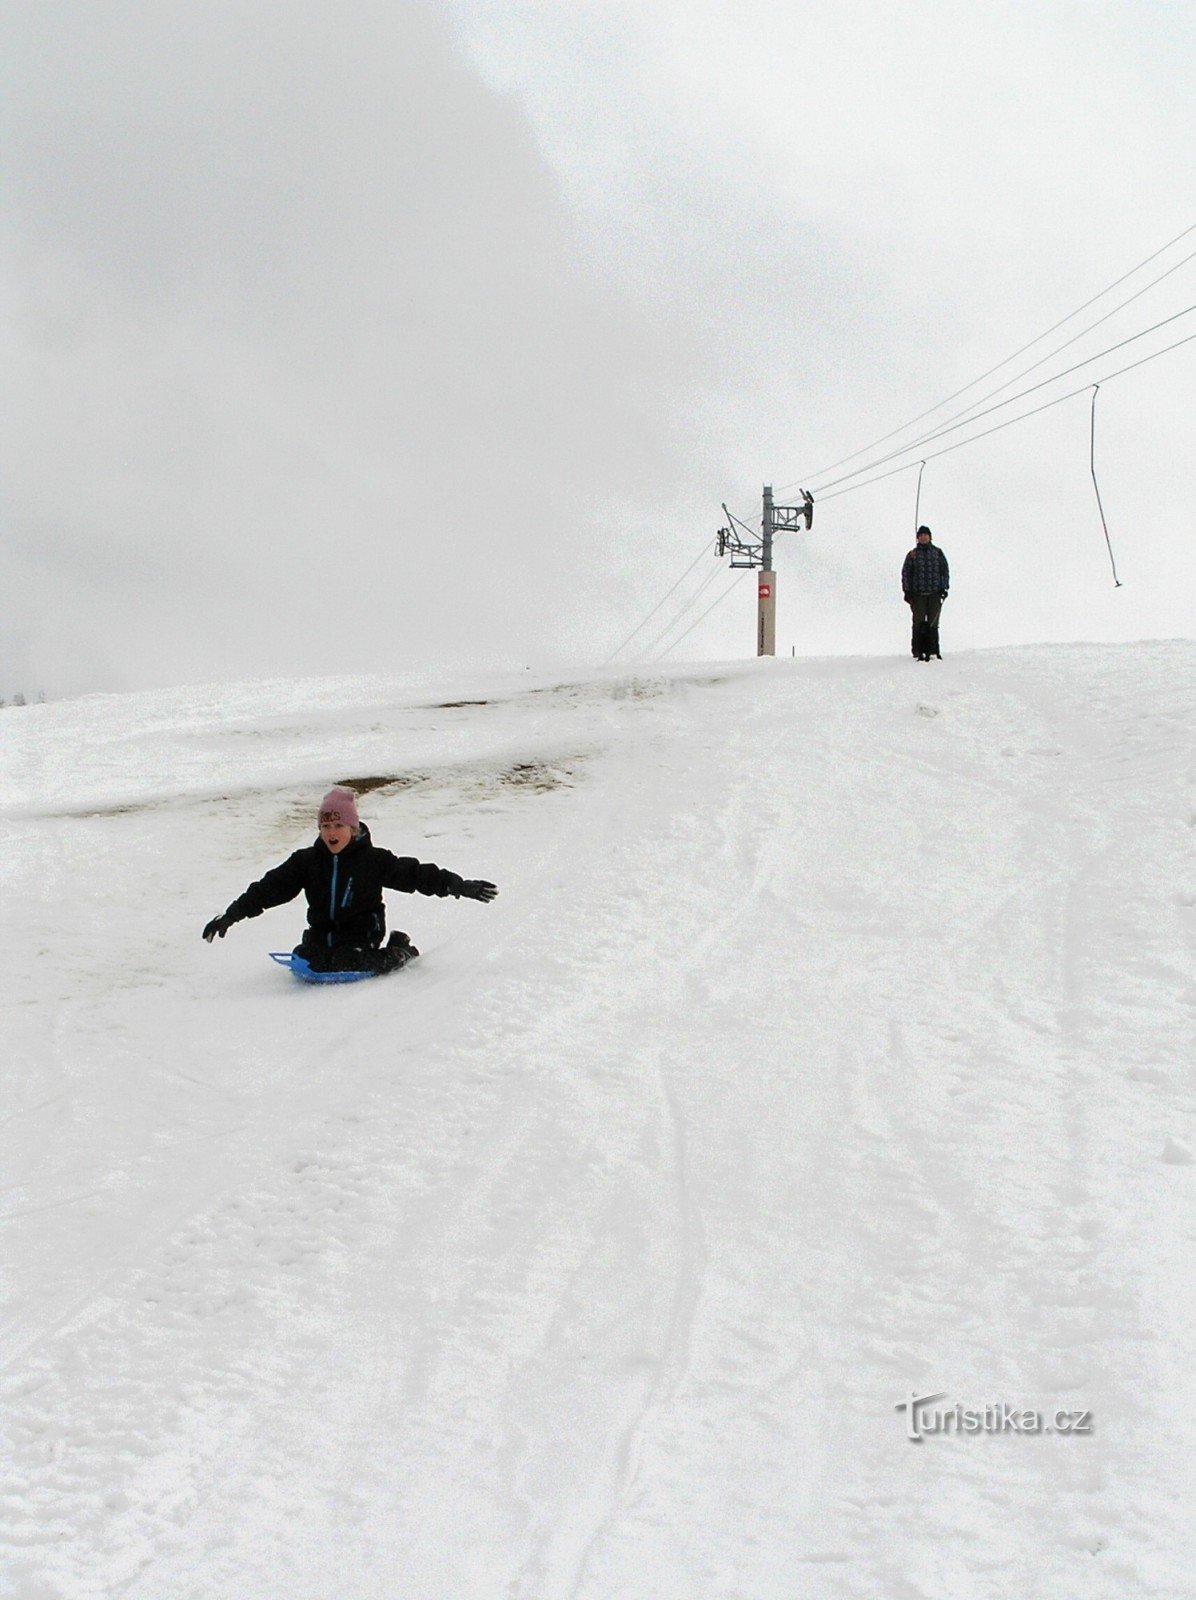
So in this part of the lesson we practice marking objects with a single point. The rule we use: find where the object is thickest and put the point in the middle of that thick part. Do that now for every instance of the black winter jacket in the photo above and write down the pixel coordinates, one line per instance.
(344, 892)
(925, 571)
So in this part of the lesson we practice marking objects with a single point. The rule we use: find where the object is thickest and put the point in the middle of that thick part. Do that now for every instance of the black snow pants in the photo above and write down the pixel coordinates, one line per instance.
(925, 609)
(396, 952)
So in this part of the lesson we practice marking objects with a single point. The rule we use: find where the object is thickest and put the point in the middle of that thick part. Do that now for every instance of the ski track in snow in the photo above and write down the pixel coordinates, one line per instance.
(830, 1039)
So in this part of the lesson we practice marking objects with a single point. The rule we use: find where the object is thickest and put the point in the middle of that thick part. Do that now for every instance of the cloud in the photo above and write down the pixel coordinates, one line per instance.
(856, 210)
(343, 341)
(312, 368)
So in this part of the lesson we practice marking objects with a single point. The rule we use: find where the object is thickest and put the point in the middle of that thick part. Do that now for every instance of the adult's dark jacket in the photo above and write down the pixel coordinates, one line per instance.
(344, 892)
(925, 571)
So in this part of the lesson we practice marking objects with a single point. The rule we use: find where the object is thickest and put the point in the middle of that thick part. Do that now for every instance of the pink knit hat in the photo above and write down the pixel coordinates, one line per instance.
(340, 805)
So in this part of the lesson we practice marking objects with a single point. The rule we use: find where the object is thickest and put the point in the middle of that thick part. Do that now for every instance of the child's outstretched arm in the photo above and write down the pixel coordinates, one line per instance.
(279, 885)
(410, 876)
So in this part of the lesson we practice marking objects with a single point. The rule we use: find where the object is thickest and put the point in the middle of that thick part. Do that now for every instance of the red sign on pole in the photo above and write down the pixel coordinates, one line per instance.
(765, 591)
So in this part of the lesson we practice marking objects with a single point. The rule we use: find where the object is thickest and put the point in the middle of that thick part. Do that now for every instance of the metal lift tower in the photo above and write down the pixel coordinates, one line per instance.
(748, 553)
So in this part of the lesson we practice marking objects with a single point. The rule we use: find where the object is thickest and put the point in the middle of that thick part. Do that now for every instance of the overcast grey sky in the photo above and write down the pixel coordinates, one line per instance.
(376, 336)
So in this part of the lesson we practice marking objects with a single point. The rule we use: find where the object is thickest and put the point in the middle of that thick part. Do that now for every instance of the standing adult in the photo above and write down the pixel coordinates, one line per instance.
(925, 579)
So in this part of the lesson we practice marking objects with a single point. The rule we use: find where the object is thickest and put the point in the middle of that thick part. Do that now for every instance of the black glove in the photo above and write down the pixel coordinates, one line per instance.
(476, 889)
(943, 596)
(219, 926)
(909, 599)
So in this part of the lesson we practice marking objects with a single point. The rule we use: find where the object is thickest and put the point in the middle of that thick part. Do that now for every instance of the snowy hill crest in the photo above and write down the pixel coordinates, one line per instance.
(830, 1041)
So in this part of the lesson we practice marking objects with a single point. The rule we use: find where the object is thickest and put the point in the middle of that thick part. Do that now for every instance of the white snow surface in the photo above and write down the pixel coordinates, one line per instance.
(830, 1039)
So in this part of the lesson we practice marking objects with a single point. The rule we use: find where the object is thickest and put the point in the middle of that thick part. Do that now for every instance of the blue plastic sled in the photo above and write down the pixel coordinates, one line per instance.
(306, 974)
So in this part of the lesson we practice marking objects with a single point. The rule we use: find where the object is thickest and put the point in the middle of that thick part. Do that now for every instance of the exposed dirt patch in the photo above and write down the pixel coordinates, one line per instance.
(394, 780)
(137, 807)
(537, 775)
(467, 784)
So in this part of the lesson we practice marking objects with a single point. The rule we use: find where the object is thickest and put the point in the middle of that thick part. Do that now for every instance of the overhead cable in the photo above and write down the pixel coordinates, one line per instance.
(703, 551)
(734, 584)
(686, 607)
(940, 433)
(1067, 343)
(892, 434)
(959, 444)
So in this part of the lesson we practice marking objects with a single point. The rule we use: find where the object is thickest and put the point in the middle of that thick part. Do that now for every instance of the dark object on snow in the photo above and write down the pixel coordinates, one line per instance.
(346, 963)
(344, 896)
(367, 960)
(925, 609)
(925, 580)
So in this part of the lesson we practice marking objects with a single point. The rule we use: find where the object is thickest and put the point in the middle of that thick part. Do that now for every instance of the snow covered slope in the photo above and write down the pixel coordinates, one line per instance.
(830, 1040)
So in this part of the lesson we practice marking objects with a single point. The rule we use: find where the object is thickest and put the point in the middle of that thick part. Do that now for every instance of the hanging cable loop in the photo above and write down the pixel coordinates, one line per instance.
(1096, 486)
(918, 497)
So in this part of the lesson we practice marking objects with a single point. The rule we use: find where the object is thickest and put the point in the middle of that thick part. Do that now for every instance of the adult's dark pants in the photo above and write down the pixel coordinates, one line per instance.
(925, 609)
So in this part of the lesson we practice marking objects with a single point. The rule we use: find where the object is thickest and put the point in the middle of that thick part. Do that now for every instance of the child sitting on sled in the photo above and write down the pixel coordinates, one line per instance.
(343, 875)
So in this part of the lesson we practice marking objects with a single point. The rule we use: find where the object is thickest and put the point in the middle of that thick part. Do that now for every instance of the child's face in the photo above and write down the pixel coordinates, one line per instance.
(336, 835)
